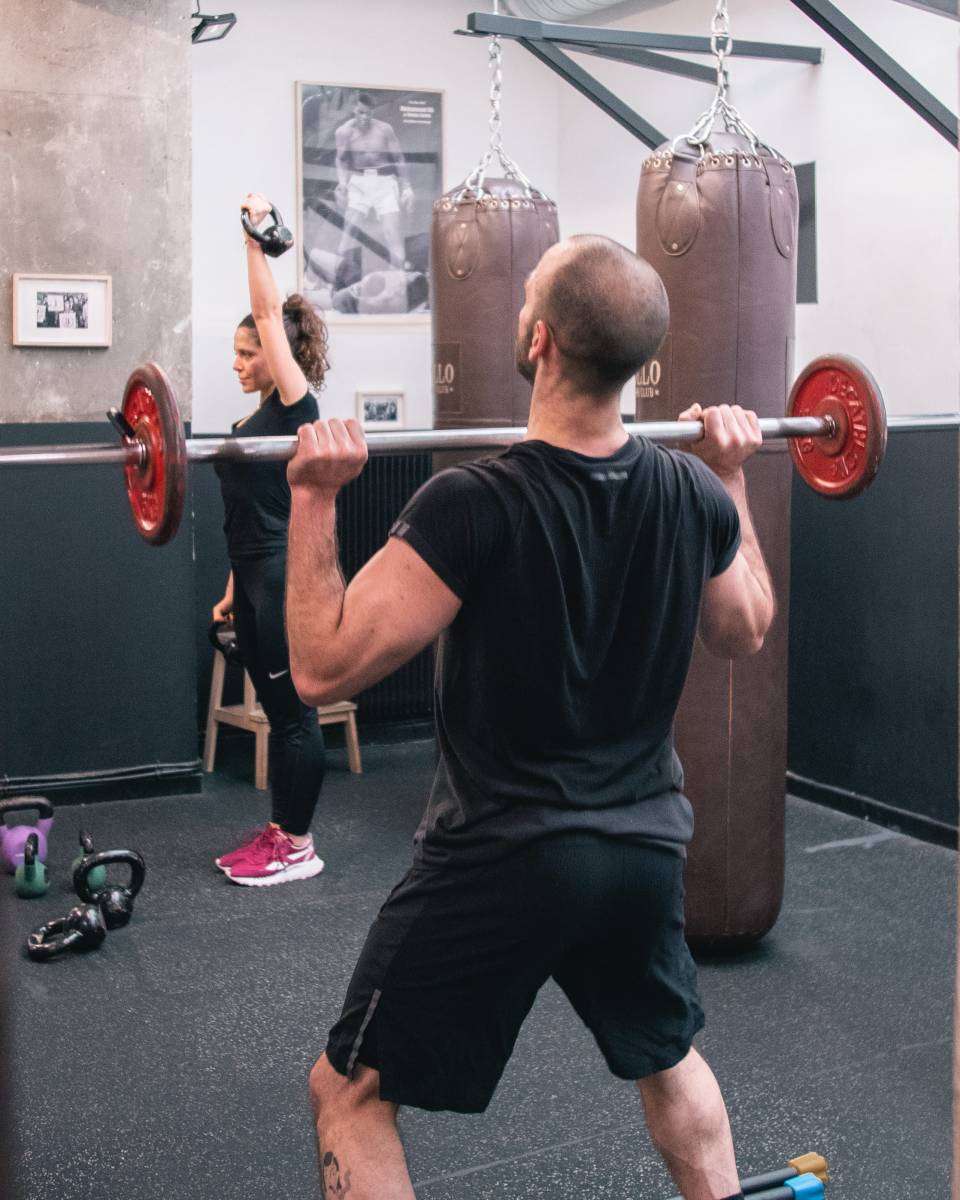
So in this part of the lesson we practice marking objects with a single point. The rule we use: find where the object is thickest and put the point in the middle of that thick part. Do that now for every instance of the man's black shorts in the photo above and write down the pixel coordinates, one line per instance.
(455, 958)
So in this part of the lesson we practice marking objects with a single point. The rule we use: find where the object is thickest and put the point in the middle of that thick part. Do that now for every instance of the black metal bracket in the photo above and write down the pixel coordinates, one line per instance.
(665, 63)
(576, 36)
(852, 38)
(544, 41)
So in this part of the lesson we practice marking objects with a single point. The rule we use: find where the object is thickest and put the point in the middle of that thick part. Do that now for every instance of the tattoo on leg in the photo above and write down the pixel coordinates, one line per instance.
(336, 1180)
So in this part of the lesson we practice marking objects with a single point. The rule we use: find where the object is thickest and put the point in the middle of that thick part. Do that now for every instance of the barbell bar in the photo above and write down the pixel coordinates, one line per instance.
(273, 449)
(836, 425)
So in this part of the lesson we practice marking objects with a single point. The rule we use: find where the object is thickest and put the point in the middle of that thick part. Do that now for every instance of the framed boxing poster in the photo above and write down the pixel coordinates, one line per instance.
(62, 310)
(370, 167)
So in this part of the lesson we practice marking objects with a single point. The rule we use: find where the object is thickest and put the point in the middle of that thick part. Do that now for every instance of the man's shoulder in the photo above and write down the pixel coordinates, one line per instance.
(480, 486)
(469, 478)
(697, 483)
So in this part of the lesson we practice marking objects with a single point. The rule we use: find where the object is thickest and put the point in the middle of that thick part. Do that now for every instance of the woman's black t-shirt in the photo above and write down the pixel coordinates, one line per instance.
(256, 495)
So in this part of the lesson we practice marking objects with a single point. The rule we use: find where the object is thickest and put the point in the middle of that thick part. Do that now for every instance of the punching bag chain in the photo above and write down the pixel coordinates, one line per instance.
(474, 181)
(496, 92)
(721, 43)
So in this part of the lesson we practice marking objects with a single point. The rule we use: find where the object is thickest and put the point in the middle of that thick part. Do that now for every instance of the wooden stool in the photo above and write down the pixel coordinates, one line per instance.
(250, 716)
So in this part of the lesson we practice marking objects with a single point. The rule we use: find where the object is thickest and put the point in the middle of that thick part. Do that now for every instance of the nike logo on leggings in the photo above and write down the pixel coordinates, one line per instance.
(276, 675)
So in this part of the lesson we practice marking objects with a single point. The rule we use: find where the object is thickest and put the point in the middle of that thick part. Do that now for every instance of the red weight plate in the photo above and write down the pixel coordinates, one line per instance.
(844, 390)
(157, 486)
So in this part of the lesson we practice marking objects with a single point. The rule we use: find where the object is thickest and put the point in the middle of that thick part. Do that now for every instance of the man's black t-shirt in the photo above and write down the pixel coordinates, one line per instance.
(256, 495)
(558, 681)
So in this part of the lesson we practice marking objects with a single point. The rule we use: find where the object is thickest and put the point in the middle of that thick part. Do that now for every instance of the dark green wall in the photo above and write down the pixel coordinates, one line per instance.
(97, 633)
(873, 641)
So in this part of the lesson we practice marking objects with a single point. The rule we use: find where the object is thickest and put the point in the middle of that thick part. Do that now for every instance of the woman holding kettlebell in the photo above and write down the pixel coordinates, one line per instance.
(280, 353)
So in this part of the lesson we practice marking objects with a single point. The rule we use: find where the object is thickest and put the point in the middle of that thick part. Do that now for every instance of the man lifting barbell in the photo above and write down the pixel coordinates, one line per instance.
(837, 426)
(567, 580)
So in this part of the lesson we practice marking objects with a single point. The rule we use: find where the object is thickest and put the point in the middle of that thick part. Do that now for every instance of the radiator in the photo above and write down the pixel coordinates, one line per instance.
(366, 509)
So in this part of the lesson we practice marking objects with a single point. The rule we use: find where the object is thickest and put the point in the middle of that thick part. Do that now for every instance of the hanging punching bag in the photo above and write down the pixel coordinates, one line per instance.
(487, 236)
(483, 246)
(717, 217)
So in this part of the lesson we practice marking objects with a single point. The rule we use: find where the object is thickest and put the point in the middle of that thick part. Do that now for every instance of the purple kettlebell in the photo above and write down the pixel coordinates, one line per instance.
(13, 838)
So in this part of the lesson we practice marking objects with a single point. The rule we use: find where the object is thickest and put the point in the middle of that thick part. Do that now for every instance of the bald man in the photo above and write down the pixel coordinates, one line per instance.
(566, 580)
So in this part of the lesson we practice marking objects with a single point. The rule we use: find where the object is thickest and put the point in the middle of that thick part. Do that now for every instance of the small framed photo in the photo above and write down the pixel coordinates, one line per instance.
(380, 410)
(62, 310)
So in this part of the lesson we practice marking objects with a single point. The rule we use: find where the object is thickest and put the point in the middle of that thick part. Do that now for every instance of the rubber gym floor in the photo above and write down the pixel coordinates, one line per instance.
(171, 1063)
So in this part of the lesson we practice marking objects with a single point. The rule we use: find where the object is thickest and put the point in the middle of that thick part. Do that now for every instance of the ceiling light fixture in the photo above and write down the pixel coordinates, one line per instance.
(210, 28)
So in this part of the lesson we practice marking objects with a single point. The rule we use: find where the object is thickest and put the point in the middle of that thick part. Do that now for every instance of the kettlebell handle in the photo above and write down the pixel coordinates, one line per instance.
(138, 871)
(276, 239)
(81, 929)
(23, 803)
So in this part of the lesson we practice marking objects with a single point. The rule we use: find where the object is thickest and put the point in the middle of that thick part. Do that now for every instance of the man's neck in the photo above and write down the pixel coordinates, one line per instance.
(575, 421)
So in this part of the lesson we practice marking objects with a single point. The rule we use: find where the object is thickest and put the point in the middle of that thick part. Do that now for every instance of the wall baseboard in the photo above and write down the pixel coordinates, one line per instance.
(127, 783)
(887, 815)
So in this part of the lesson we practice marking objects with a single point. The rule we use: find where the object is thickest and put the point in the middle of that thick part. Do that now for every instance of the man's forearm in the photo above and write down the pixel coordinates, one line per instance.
(736, 485)
(315, 585)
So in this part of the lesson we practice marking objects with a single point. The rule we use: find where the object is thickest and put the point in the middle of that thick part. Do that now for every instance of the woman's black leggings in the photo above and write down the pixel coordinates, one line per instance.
(297, 755)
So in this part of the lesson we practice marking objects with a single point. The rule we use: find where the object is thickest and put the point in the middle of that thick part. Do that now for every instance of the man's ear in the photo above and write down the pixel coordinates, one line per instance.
(541, 338)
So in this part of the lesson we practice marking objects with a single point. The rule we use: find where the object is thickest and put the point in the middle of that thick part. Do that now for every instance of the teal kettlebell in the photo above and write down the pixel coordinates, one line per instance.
(30, 878)
(96, 876)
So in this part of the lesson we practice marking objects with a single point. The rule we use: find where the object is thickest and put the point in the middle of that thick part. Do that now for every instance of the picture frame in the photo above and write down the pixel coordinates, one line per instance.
(381, 409)
(369, 167)
(62, 310)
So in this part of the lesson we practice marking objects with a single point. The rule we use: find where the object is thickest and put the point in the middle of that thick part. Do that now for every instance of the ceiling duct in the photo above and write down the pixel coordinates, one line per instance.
(558, 10)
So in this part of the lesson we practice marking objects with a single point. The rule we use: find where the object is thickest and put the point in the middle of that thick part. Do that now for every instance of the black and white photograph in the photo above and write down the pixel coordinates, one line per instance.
(370, 168)
(64, 310)
(381, 410)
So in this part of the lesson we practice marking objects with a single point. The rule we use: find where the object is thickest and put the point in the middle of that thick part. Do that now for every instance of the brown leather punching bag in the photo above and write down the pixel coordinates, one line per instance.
(721, 229)
(485, 241)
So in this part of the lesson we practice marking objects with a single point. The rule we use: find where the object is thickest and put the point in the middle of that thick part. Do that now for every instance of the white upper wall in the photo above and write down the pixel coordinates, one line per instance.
(887, 184)
(244, 138)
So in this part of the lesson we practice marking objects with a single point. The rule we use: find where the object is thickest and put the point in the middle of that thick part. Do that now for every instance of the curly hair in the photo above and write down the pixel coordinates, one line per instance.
(307, 335)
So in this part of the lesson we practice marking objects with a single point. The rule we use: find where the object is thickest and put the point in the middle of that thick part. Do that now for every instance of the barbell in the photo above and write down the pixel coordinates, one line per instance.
(836, 424)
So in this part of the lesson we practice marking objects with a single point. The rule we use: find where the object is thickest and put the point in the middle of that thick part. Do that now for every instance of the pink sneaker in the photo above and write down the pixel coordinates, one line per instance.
(250, 843)
(275, 859)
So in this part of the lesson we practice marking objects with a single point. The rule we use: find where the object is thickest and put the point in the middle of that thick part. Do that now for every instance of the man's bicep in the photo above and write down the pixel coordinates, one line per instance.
(727, 612)
(394, 607)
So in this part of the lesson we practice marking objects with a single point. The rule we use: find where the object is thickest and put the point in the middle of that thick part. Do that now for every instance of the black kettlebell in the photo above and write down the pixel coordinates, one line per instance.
(82, 929)
(276, 239)
(113, 901)
(223, 637)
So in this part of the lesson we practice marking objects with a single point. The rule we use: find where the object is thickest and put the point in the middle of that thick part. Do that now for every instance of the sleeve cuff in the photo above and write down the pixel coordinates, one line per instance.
(725, 561)
(406, 533)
